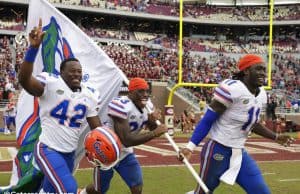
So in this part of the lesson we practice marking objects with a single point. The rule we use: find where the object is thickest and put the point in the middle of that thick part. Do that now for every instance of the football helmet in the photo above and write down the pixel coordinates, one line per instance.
(103, 147)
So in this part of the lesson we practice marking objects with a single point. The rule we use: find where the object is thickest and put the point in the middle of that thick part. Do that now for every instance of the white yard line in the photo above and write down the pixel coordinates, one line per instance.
(277, 161)
(268, 173)
(12, 151)
(289, 180)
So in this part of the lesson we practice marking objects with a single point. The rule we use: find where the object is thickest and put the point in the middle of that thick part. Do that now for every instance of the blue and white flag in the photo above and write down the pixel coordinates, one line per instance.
(63, 40)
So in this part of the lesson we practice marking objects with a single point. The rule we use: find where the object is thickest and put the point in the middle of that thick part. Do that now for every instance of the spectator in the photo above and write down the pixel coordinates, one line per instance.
(9, 117)
(271, 107)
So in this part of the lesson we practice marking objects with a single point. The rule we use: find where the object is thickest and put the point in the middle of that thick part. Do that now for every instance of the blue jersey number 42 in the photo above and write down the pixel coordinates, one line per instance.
(60, 112)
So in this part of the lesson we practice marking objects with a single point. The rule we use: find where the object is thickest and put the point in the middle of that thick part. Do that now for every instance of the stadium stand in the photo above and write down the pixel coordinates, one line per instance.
(147, 46)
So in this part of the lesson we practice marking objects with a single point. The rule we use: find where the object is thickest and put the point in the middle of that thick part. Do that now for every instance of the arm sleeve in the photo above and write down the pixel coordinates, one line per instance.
(117, 108)
(223, 93)
(93, 107)
(203, 128)
(44, 78)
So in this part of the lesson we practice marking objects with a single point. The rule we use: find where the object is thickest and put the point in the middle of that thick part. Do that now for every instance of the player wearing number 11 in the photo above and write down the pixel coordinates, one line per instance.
(233, 113)
(64, 103)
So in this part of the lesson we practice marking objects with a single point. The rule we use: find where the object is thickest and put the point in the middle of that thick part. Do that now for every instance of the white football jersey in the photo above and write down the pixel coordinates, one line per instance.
(124, 108)
(10, 110)
(63, 112)
(243, 110)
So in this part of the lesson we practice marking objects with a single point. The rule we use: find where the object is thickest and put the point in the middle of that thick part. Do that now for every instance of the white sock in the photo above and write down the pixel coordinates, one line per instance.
(190, 192)
(83, 191)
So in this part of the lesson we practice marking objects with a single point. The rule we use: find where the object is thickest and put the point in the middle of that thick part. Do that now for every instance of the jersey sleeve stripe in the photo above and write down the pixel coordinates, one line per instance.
(230, 81)
(223, 94)
(224, 90)
(222, 100)
(114, 111)
(41, 79)
(117, 114)
(227, 80)
(117, 104)
(117, 107)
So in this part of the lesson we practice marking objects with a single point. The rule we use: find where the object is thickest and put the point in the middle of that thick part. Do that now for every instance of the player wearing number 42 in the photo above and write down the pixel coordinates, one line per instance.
(64, 104)
(232, 114)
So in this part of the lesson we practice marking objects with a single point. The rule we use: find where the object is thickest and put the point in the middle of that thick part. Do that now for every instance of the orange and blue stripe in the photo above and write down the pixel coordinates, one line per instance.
(28, 124)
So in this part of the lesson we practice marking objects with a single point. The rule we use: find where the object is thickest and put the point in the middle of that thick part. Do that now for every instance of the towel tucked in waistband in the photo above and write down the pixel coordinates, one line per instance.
(229, 176)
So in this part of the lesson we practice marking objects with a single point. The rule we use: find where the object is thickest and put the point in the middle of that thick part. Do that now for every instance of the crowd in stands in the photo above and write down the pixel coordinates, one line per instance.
(133, 62)
(253, 13)
(197, 10)
(8, 69)
(201, 67)
(199, 44)
(12, 18)
(163, 65)
(206, 59)
(105, 33)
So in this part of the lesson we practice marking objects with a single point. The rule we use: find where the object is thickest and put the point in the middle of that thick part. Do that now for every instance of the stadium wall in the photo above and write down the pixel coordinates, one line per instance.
(160, 94)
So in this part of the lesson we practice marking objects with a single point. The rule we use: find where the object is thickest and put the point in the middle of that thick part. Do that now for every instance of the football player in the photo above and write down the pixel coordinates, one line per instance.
(10, 116)
(65, 103)
(128, 116)
(233, 113)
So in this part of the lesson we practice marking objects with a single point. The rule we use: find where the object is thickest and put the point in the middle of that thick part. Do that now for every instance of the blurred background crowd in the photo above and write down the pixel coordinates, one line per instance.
(141, 36)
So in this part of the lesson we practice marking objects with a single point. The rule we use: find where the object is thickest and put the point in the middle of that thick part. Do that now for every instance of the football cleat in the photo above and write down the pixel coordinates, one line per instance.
(103, 147)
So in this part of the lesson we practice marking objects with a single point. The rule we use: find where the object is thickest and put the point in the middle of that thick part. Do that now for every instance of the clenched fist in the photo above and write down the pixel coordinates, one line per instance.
(184, 152)
(284, 140)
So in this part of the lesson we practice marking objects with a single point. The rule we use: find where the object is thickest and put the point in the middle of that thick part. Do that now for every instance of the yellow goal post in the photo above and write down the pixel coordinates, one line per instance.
(180, 52)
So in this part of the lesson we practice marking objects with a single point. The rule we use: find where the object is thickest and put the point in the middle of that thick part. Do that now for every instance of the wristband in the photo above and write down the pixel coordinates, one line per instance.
(191, 146)
(31, 54)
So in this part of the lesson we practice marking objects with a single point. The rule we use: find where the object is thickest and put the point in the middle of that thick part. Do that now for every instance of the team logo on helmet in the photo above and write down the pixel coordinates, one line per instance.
(103, 147)
(99, 152)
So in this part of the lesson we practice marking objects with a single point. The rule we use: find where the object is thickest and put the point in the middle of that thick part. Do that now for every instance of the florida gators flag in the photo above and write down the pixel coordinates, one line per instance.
(63, 40)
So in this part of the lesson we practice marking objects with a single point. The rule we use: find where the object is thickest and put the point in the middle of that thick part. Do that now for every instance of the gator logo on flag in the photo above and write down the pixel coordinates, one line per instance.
(54, 47)
(27, 156)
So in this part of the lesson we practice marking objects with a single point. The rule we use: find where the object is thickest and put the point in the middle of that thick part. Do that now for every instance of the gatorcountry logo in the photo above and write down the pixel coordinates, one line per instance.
(55, 47)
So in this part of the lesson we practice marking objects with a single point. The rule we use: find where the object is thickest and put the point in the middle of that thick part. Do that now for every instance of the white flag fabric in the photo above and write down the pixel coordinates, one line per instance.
(63, 40)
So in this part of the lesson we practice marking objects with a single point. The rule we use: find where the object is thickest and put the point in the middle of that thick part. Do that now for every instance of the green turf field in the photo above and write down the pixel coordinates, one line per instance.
(12, 136)
(4, 154)
(177, 134)
(282, 178)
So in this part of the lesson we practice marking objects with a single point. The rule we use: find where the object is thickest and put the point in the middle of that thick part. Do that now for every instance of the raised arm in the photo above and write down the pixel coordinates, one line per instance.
(28, 82)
